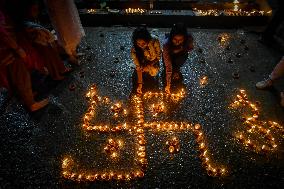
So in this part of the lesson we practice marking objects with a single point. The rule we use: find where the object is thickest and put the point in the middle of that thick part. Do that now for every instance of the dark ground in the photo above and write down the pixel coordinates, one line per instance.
(33, 145)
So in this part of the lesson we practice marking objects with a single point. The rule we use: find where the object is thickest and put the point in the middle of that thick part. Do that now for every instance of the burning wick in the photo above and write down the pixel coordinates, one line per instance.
(117, 109)
(203, 80)
(157, 108)
(174, 145)
(112, 147)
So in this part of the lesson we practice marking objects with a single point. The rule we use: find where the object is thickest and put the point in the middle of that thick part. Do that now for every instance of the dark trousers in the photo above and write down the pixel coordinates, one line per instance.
(273, 24)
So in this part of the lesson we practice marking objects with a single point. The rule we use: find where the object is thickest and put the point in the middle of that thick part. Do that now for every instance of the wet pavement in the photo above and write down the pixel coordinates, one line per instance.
(34, 145)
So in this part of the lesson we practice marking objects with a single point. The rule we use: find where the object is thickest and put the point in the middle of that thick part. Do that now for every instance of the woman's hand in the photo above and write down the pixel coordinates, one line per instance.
(167, 89)
(139, 89)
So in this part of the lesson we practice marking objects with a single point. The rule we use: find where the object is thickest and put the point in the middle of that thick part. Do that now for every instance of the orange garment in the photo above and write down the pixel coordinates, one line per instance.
(12, 46)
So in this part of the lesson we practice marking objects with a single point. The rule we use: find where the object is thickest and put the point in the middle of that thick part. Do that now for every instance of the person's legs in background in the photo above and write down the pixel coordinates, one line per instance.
(66, 22)
(21, 83)
(277, 73)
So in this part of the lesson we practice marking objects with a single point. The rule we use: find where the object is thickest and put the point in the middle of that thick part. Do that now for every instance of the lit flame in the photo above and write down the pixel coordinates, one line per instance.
(203, 80)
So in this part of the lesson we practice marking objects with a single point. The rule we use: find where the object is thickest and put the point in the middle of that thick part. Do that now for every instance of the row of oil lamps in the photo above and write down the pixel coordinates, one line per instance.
(127, 11)
(168, 126)
(117, 109)
(113, 146)
(253, 125)
(140, 132)
(235, 12)
(135, 11)
(67, 173)
(105, 128)
(212, 170)
(175, 97)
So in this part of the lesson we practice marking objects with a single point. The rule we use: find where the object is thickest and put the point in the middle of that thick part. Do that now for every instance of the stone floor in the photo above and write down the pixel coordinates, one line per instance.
(33, 145)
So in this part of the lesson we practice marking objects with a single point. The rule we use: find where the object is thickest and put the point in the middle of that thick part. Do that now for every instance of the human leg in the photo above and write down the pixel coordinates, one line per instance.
(139, 80)
(21, 83)
(277, 72)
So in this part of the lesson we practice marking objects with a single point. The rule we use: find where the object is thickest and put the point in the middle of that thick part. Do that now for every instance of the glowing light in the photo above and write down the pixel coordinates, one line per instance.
(174, 145)
(223, 38)
(157, 109)
(91, 11)
(203, 80)
(134, 11)
(254, 126)
(113, 146)
(231, 12)
(236, 7)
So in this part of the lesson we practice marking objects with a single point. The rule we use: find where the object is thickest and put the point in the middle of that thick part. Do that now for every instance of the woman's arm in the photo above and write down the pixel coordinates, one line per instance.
(139, 70)
(134, 58)
(168, 64)
(157, 49)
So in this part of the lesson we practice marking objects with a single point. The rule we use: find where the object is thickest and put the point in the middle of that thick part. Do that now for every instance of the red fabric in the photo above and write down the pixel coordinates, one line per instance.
(33, 60)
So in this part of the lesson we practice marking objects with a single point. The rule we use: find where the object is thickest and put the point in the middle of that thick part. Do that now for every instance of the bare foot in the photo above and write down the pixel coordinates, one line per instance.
(38, 105)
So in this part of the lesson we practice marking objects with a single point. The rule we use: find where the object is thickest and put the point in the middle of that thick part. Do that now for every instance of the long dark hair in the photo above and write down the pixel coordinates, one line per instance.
(178, 29)
(140, 33)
